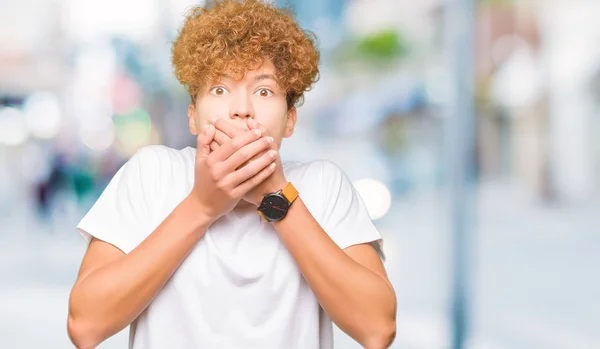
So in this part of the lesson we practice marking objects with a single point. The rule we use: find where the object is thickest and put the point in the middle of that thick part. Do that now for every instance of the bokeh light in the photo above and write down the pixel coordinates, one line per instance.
(133, 131)
(375, 195)
(126, 96)
(100, 138)
(43, 115)
(13, 129)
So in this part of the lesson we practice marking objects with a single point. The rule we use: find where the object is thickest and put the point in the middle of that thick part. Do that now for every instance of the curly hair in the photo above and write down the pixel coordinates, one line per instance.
(237, 36)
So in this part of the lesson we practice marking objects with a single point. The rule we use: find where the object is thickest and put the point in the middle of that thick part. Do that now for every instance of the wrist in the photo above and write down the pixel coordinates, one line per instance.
(197, 213)
(275, 206)
(275, 186)
(268, 188)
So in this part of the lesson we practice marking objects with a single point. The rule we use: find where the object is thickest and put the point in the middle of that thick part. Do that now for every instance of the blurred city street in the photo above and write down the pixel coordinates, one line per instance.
(418, 102)
(536, 283)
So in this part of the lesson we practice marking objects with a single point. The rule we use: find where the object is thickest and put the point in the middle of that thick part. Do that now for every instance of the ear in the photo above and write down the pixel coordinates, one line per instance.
(192, 119)
(290, 122)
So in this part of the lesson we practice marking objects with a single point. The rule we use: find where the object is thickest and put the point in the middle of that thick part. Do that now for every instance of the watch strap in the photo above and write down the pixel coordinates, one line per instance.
(262, 216)
(289, 192)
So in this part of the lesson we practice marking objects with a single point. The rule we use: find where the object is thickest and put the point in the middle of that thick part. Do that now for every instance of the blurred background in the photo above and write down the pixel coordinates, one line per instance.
(85, 83)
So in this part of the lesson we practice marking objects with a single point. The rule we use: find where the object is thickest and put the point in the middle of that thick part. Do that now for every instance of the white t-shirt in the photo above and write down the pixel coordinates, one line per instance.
(239, 287)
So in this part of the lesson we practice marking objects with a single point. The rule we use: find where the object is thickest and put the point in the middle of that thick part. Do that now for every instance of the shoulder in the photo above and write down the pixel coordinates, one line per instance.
(323, 168)
(322, 175)
(161, 171)
(157, 153)
(154, 163)
(159, 156)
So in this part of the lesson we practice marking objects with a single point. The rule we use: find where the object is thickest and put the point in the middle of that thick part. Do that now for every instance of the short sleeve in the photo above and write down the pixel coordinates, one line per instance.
(121, 214)
(346, 218)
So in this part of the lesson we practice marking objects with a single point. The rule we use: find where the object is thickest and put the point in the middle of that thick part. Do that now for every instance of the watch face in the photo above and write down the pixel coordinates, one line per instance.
(274, 207)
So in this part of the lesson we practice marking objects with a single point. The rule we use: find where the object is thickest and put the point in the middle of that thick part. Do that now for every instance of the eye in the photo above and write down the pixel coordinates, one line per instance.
(264, 92)
(218, 90)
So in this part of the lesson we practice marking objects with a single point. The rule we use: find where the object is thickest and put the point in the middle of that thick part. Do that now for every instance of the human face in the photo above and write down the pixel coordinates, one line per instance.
(256, 96)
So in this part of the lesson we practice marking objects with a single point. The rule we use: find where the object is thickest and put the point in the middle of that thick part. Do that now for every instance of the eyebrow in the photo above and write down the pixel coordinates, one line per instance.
(265, 77)
(256, 78)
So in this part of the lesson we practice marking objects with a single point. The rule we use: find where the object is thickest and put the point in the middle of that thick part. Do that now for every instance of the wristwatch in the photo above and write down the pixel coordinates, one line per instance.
(275, 206)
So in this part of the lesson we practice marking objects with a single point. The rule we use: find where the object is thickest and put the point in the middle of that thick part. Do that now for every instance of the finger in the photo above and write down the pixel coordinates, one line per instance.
(243, 174)
(246, 153)
(227, 149)
(203, 141)
(228, 128)
(221, 137)
(251, 159)
(252, 182)
(257, 155)
(253, 125)
(214, 146)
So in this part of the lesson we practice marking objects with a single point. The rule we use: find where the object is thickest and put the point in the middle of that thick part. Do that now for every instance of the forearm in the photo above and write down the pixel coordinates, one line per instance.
(358, 300)
(111, 297)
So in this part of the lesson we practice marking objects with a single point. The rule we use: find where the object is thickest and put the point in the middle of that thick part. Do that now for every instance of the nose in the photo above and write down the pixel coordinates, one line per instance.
(241, 107)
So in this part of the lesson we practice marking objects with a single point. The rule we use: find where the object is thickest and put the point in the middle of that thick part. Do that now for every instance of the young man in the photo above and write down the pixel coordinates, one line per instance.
(223, 246)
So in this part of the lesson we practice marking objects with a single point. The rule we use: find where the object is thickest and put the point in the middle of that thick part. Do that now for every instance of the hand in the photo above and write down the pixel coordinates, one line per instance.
(225, 131)
(220, 181)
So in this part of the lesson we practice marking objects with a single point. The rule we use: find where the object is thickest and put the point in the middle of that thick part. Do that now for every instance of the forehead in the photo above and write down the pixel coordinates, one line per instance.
(265, 71)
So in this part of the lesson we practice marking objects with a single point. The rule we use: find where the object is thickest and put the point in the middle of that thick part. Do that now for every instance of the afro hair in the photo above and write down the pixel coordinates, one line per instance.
(234, 37)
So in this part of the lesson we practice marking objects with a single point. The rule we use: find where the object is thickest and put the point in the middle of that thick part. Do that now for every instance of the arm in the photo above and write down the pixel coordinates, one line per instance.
(112, 288)
(351, 286)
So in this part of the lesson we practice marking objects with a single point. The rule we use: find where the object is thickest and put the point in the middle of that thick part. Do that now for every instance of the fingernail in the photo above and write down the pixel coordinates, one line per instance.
(272, 153)
(211, 128)
(269, 140)
(258, 133)
(272, 166)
